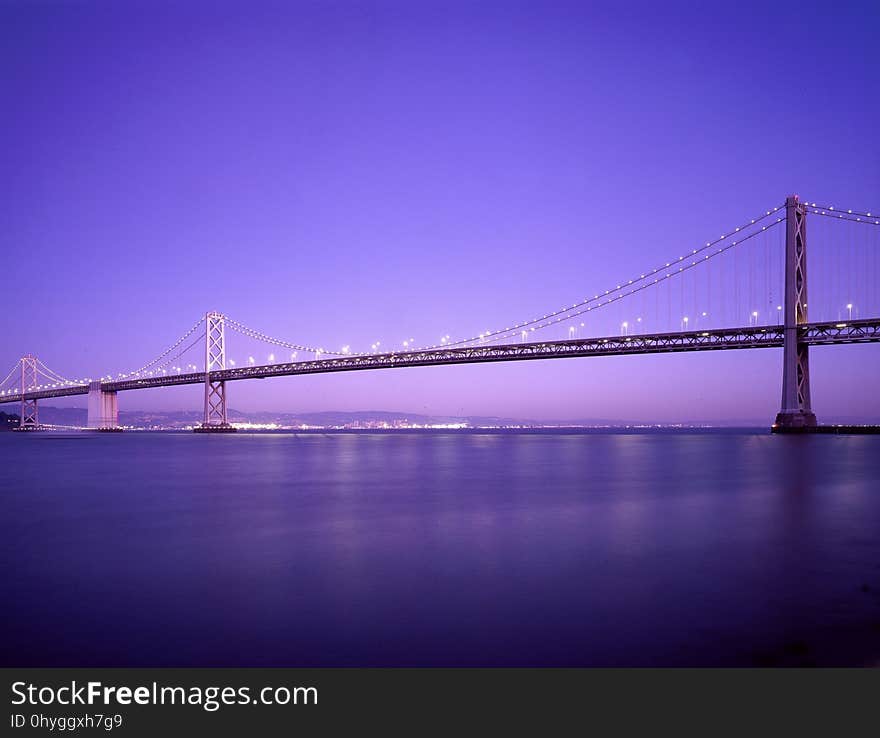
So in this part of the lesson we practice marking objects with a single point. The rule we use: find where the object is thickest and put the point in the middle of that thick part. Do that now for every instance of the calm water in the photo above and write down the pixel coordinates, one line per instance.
(439, 549)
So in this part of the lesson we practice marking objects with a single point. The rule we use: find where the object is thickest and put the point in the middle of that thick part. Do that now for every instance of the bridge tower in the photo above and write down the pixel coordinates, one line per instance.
(28, 420)
(215, 391)
(796, 411)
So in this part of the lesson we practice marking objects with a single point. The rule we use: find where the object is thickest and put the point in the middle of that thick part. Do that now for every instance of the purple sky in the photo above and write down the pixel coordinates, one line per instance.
(347, 172)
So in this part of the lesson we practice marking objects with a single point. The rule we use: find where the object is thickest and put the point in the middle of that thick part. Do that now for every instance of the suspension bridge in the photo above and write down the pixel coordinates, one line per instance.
(746, 289)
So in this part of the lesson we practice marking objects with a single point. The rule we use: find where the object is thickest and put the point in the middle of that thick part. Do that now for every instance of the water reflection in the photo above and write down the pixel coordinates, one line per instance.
(480, 549)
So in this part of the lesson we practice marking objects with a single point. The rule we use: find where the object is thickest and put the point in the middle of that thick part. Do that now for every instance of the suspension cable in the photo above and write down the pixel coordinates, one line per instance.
(180, 353)
(598, 296)
(52, 374)
(168, 350)
(853, 217)
(840, 211)
(259, 336)
(511, 332)
(11, 372)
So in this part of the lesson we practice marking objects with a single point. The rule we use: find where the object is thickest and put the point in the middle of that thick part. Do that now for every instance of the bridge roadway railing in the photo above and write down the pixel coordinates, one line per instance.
(857, 331)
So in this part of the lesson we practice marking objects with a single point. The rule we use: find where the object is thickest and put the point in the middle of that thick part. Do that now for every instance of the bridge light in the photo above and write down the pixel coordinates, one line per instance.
(232, 362)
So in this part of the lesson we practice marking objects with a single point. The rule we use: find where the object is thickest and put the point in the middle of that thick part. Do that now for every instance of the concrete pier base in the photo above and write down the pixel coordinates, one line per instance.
(103, 412)
(795, 420)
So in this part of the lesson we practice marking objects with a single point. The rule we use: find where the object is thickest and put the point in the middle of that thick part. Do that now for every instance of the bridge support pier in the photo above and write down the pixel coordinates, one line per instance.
(796, 411)
(103, 413)
(215, 420)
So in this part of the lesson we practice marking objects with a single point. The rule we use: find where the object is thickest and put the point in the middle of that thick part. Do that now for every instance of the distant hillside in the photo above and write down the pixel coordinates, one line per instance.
(76, 417)
(169, 418)
(8, 422)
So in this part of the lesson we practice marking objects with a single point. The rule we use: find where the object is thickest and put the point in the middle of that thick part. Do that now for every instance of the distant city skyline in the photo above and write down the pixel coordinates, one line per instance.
(384, 172)
(60, 417)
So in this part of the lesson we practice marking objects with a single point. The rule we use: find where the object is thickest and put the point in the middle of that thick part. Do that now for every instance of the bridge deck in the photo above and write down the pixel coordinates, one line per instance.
(814, 334)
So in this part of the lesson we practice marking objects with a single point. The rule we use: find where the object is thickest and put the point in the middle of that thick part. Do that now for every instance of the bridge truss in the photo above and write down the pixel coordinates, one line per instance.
(792, 330)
